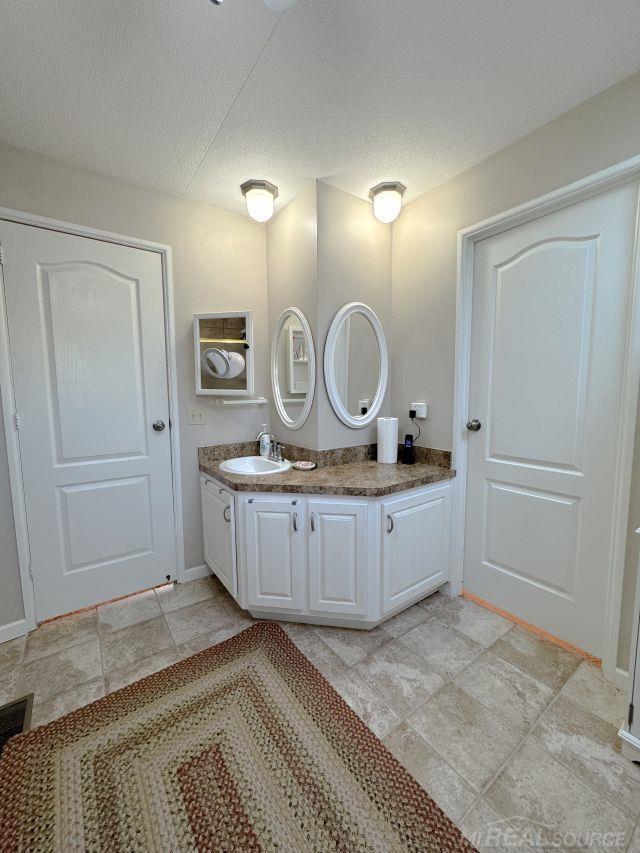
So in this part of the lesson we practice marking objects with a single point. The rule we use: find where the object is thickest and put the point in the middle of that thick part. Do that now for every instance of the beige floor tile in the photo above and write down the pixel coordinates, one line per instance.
(586, 744)
(403, 679)
(128, 611)
(472, 740)
(8, 685)
(474, 621)
(173, 596)
(61, 634)
(317, 651)
(405, 621)
(201, 618)
(589, 688)
(634, 847)
(59, 672)
(434, 603)
(352, 644)
(64, 703)
(12, 652)
(545, 662)
(232, 607)
(506, 690)
(212, 638)
(447, 650)
(489, 832)
(431, 771)
(539, 794)
(136, 642)
(371, 709)
(140, 669)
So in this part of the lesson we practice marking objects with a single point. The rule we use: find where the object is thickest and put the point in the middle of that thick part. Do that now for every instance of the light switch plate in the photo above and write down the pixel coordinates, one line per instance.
(196, 417)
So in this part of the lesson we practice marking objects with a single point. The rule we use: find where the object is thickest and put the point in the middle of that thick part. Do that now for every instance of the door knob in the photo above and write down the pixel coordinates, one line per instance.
(158, 425)
(474, 425)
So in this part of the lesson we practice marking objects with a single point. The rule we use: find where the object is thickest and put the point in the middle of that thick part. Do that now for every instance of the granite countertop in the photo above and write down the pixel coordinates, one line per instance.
(365, 479)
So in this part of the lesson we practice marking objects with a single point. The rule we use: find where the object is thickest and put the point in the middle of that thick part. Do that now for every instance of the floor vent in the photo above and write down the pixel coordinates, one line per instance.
(15, 718)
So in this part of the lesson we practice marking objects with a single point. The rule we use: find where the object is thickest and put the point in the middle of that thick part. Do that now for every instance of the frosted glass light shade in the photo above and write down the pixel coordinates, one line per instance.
(260, 197)
(387, 200)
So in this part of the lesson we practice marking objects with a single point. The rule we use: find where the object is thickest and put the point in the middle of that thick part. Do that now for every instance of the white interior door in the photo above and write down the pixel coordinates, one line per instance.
(86, 329)
(549, 331)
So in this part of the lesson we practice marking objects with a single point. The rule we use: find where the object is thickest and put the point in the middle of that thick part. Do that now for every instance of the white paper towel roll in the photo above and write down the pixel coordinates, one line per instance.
(388, 440)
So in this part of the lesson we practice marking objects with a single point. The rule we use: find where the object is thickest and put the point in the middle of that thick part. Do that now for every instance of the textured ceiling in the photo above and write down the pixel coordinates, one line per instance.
(192, 98)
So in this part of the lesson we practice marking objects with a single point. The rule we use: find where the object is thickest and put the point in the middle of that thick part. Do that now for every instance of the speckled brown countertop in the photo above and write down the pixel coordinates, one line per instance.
(365, 479)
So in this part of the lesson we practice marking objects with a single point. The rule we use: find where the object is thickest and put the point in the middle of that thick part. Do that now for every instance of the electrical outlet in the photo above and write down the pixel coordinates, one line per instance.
(196, 417)
(420, 408)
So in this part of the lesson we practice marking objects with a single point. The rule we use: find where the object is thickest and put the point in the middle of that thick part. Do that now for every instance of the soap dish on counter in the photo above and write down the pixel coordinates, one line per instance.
(304, 466)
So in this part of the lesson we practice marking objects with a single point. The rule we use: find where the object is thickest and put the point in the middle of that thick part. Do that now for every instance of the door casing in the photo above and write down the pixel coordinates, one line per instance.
(28, 623)
(600, 182)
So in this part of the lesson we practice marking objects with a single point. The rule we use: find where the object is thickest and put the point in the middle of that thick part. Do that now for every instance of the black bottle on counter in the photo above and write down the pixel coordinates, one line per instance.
(408, 450)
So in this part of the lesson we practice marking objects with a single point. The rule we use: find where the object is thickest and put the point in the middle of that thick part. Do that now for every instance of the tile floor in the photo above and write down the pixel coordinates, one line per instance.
(516, 739)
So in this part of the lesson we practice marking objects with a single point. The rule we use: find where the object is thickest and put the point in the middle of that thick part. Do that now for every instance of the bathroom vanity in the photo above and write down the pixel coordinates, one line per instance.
(346, 545)
(350, 543)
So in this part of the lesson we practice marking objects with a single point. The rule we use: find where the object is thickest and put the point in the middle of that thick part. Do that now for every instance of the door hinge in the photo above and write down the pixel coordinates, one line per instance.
(630, 718)
(31, 575)
(16, 421)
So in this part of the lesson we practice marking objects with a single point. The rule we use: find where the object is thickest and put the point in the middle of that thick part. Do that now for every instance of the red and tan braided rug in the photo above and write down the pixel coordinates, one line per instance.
(243, 747)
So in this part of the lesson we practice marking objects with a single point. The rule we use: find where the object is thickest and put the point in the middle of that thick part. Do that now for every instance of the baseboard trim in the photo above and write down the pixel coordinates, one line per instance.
(540, 632)
(194, 573)
(630, 745)
(13, 629)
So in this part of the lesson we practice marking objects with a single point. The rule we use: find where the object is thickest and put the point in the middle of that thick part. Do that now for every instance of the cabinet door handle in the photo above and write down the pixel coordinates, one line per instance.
(313, 521)
(390, 524)
(224, 514)
(295, 522)
(208, 482)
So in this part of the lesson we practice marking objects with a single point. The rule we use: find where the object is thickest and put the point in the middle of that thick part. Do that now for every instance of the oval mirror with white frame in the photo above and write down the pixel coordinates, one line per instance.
(293, 368)
(356, 364)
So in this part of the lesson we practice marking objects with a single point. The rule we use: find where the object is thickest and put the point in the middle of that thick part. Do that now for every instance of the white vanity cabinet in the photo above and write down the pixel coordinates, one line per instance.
(351, 561)
(338, 557)
(219, 532)
(274, 553)
(415, 551)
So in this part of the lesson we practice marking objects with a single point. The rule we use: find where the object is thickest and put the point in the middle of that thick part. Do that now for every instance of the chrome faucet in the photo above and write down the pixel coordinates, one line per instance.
(275, 450)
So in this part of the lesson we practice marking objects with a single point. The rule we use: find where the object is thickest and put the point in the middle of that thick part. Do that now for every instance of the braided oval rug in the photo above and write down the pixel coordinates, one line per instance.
(242, 747)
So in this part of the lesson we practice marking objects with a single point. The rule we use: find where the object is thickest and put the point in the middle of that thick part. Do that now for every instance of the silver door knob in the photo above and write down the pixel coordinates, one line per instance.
(158, 425)
(474, 425)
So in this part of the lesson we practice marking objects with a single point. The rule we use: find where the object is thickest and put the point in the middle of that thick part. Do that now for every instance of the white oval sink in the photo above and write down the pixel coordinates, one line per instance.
(249, 465)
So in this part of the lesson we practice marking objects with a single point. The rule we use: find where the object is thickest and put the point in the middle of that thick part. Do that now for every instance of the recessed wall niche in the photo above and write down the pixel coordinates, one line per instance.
(223, 350)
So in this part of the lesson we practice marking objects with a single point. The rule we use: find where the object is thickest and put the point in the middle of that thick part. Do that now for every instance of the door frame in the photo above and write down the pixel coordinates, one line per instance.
(28, 623)
(592, 185)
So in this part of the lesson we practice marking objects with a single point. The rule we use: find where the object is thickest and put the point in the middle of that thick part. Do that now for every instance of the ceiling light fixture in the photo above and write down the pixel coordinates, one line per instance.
(387, 200)
(260, 197)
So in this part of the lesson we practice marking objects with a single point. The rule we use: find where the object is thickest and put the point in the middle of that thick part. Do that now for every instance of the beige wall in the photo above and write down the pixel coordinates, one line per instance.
(292, 270)
(324, 249)
(600, 132)
(354, 265)
(218, 265)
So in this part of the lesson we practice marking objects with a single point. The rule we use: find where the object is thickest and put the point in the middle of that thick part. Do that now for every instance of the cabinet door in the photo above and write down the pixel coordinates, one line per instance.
(415, 545)
(219, 530)
(275, 554)
(337, 557)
